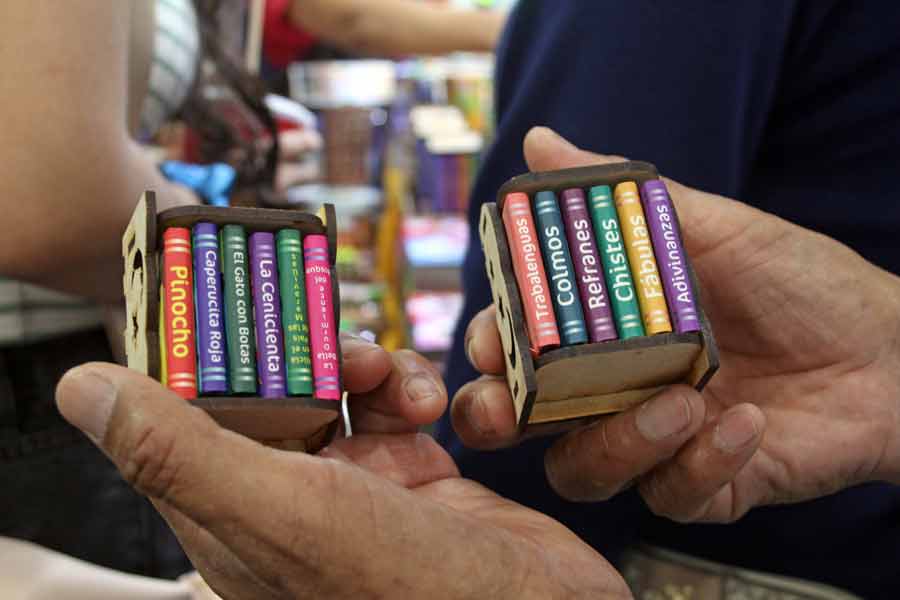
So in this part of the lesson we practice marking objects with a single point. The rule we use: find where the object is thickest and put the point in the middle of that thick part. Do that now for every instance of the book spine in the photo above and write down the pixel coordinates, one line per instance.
(292, 279)
(670, 255)
(239, 338)
(598, 315)
(180, 342)
(322, 327)
(619, 284)
(163, 371)
(528, 268)
(560, 271)
(639, 248)
(210, 330)
(267, 314)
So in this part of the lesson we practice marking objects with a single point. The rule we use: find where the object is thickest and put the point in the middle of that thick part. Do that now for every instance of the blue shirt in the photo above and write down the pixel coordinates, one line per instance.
(790, 105)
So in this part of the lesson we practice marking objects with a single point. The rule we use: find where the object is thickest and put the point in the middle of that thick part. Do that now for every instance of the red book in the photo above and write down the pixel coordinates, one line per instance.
(180, 335)
(528, 266)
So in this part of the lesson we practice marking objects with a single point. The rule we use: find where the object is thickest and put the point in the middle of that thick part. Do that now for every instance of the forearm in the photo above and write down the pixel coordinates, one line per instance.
(397, 27)
(65, 215)
(70, 175)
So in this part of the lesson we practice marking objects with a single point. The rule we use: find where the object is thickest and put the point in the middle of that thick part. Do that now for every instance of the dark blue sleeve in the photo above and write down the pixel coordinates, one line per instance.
(752, 100)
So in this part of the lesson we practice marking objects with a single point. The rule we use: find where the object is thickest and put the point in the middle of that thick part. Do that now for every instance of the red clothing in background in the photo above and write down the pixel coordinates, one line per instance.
(283, 42)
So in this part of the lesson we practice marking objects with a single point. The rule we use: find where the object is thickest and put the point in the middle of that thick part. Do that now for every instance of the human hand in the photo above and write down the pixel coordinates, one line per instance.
(294, 166)
(376, 515)
(809, 343)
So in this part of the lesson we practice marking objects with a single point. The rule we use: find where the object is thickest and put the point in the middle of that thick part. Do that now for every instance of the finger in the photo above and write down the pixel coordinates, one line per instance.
(598, 461)
(483, 415)
(365, 365)
(482, 343)
(546, 150)
(409, 460)
(174, 453)
(695, 484)
(412, 394)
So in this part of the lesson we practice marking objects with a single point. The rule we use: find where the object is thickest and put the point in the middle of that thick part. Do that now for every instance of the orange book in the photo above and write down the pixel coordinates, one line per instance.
(528, 266)
(647, 283)
(180, 343)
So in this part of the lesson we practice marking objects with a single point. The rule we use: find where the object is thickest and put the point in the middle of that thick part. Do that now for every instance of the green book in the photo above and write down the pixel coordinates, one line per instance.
(292, 281)
(240, 338)
(623, 298)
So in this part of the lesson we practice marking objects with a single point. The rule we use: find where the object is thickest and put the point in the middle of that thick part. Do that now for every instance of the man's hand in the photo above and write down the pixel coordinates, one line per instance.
(377, 515)
(808, 334)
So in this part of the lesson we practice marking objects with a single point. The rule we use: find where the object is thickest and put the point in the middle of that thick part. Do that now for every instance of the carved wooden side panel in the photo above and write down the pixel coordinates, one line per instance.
(140, 287)
(510, 315)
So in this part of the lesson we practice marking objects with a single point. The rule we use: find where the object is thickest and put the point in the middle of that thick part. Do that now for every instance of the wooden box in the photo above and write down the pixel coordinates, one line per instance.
(568, 385)
(295, 422)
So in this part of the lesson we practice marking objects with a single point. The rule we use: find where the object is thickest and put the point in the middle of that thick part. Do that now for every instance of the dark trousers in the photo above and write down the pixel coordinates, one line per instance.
(56, 488)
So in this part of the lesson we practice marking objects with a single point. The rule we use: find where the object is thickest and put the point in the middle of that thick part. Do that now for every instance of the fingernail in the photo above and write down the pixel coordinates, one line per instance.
(663, 416)
(734, 431)
(420, 388)
(353, 343)
(470, 342)
(88, 402)
(477, 415)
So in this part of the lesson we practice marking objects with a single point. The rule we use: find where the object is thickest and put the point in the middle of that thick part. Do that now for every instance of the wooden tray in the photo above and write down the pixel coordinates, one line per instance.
(576, 383)
(295, 422)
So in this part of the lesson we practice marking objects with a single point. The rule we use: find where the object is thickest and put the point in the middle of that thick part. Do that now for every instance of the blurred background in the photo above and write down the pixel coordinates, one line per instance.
(395, 145)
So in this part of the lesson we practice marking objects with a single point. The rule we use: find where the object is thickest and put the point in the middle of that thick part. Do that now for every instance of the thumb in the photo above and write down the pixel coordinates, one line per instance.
(707, 220)
(546, 150)
(177, 455)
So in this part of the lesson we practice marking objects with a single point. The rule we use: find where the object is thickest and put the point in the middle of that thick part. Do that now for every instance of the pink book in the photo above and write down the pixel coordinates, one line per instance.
(323, 330)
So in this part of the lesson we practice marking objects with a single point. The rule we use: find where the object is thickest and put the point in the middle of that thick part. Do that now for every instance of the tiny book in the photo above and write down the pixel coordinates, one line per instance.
(210, 328)
(267, 314)
(292, 280)
(560, 271)
(178, 302)
(323, 330)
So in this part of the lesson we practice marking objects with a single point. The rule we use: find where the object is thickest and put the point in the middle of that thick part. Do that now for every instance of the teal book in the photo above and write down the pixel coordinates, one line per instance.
(240, 340)
(292, 281)
(623, 298)
(560, 270)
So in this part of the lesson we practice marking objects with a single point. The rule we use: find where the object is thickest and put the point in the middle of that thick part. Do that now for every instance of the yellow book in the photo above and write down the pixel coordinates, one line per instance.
(652, 299)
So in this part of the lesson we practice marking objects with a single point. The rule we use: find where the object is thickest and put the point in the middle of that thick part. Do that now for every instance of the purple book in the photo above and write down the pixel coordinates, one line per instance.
(208, 298)
(267, 314)
(670, 256)
(591, 283)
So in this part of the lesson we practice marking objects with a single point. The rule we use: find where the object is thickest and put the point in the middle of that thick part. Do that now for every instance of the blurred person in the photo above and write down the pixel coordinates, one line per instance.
(83, 83)
(792, 108)
(387, 27)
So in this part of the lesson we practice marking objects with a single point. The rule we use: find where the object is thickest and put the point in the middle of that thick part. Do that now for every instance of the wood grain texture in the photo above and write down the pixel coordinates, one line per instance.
(586, 406)
(259, 219)
(510, 312)
(579, 177)
(599, 369)
(295, 422)
(141, 300)
(576, 383)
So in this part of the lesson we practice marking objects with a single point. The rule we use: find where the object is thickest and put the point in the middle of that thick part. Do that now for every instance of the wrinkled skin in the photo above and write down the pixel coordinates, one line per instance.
(383, 514)
(807, 399)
